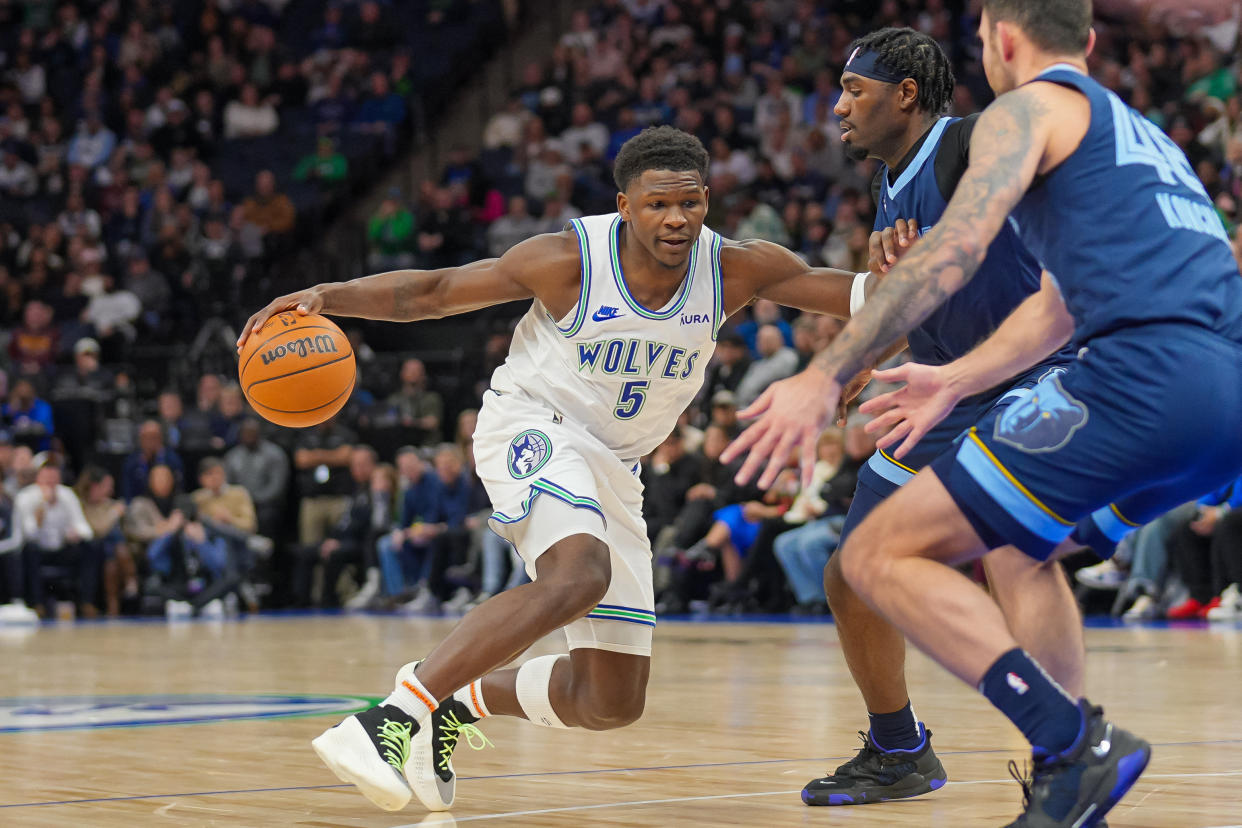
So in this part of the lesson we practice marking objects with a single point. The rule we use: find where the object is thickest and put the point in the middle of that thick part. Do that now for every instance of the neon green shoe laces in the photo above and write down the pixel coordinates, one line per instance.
(454, 729)
(395, 738)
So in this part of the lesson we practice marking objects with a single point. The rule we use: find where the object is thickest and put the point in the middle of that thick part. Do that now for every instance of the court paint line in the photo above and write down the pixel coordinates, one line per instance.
(674, 800)
(612, 770)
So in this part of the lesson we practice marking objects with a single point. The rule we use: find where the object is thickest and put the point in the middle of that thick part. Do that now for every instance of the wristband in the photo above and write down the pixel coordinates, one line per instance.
(858, 292)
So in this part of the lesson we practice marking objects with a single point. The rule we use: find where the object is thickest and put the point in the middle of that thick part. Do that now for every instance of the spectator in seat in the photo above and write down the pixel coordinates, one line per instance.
(261, 467)
(249, 116)
(325, 166)
(220, 504)
(505, 128)
(350, 540)
(86, 380)
(444, 235)
(33, 346)
(93, 143)
(151, 452)
(373, 31)
(17, 178)
(728, 365)
(192, 571)
(404, 553)
(776, 361)
(418, 407)
(514, 226)
(112, 315)
(381, 113)
(321, 458)
(390, 234)
(584, 129)
(12, 572)
(150, 287)
(27, 417)
(104, 513)
(54, 531)
(763, 312)
(271, 211)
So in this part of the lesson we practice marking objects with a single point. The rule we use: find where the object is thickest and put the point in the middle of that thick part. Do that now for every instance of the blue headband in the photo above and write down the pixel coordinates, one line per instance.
(868, 64)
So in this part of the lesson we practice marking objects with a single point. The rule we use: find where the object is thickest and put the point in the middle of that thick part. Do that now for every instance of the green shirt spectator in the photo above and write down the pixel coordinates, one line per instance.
(390, 234)
(325, 165)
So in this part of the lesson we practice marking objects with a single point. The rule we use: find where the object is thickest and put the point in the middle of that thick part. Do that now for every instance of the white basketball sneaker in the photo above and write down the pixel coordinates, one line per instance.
(369, 750)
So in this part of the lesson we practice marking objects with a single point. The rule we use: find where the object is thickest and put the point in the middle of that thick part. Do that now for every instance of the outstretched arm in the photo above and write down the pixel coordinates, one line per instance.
(1006, 148)
(1035, 329)
(756, 269)
(768, 271)
(413, 295)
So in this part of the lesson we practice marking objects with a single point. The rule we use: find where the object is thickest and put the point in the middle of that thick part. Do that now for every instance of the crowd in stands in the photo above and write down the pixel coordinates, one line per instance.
(147, 185)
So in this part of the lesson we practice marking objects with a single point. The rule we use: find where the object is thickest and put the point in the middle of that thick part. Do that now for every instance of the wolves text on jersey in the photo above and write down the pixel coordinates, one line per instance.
(636, 357)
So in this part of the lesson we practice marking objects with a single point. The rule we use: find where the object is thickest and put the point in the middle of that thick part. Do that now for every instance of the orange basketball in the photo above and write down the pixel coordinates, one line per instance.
(297, 371)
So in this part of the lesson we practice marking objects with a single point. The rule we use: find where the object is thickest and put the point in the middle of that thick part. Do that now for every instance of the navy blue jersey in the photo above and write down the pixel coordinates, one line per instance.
(1126, 228)
(1007, 276)
(920, 189)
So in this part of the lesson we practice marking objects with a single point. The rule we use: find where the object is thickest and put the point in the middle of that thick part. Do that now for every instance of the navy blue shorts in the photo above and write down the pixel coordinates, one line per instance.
(1144, 420)
(883, 474)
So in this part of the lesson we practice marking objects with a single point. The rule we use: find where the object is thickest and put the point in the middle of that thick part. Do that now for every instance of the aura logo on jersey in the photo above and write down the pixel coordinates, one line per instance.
(80, 712)
(1044, 421)
(528, 452)
(321, 344)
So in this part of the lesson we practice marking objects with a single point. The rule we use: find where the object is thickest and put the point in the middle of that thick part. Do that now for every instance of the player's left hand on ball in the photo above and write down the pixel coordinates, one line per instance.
(303, 302)
(791, 413)
(908, 413)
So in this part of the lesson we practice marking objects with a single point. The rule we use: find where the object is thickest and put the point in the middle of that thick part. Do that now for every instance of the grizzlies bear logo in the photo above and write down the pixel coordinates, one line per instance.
(1044, 421)
(528, 453)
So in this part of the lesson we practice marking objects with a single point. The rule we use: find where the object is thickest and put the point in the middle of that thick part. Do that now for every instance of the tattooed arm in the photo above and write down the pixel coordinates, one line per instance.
(547, 265)
(1006, 150)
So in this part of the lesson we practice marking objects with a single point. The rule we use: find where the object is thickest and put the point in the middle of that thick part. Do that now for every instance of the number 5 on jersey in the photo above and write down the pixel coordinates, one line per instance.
(630, 401)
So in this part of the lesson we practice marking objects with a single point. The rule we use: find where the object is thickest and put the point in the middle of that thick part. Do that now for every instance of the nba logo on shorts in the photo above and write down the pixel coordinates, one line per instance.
(1044, 421)
(528, 452)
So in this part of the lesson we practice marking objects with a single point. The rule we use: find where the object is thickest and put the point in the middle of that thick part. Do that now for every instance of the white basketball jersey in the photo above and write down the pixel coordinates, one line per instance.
(621, 371)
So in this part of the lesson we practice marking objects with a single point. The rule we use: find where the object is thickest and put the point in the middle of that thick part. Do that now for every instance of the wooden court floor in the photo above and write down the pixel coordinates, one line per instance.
(739, 717)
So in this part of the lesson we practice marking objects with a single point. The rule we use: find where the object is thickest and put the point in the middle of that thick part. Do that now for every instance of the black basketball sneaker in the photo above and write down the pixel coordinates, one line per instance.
(429, 770)
(877, 775)
(1077, 788)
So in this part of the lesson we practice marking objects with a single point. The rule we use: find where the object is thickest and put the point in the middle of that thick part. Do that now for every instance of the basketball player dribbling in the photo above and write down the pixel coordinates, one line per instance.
(1140, 278)
(624, 320)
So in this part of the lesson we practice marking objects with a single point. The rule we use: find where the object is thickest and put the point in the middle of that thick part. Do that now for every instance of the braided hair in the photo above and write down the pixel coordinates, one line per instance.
(917, 56)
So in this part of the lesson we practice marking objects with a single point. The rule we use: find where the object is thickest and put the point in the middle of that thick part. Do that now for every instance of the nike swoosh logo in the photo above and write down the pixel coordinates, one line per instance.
(604, 316)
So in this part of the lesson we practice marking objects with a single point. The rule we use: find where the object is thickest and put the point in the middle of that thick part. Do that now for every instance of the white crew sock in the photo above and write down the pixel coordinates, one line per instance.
(411, 697)
(472, 697)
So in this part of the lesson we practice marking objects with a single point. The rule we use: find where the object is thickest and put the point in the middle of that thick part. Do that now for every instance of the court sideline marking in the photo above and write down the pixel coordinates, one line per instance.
(590, 771)
(641, 802)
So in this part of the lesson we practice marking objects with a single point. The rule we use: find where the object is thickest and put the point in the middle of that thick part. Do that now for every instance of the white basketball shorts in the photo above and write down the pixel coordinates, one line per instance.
(548, 479)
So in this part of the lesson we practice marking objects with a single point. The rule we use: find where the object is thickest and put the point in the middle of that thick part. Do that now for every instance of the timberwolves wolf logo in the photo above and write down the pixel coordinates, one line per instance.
(528, 452)
(1044, 421)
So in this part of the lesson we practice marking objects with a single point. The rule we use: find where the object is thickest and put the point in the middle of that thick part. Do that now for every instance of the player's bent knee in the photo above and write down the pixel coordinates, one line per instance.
(612, 710)
(835, 587)
(862, 563)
